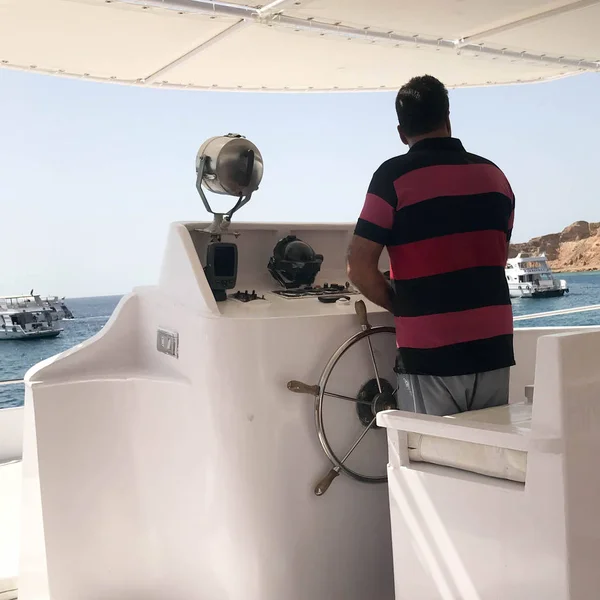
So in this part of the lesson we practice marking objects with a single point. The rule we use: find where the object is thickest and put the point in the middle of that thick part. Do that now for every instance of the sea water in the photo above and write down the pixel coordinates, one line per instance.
(91, 314)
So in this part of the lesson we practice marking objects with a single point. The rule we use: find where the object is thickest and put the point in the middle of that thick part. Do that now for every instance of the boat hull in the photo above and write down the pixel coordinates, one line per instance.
(528, 292)
(548, 293)
(25, 335)
(551, 293)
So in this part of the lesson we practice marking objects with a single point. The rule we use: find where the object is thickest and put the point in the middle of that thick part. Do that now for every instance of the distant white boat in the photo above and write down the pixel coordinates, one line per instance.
(58, 307)
(27, 317)
(531, 277)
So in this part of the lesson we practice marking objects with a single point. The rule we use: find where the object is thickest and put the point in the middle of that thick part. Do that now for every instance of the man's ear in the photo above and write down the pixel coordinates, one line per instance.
(402, 136)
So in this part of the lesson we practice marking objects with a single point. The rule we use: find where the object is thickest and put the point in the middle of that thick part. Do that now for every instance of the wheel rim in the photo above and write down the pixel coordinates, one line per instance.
(323, 381)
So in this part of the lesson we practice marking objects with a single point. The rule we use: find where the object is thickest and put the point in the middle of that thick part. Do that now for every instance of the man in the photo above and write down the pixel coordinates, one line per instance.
(445, 217)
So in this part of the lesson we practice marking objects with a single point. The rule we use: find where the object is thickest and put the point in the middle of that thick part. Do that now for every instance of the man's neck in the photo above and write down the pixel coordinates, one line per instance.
(438, 133)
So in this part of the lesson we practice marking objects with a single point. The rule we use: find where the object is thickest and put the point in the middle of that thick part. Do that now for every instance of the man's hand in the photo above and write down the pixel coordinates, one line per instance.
(364, 273)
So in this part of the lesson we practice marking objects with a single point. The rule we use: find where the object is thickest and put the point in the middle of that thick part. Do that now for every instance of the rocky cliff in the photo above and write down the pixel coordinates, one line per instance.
(575, 248)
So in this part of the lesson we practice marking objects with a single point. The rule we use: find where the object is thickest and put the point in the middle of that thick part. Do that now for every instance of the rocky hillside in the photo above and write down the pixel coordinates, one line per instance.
(575, 248)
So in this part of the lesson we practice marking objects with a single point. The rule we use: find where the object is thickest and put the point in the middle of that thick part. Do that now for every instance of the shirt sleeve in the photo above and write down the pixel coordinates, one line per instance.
(376, 220)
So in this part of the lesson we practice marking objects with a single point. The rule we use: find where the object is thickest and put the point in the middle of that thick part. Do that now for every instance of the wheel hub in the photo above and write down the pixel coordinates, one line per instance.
(384, 401)
(377, 401)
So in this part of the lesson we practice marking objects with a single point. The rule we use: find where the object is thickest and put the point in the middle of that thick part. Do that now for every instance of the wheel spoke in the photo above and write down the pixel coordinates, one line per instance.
(347, 398)
(374, 365)
(358, 441)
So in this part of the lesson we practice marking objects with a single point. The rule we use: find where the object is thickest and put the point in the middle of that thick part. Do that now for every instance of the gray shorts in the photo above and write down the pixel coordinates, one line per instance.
(441, 396)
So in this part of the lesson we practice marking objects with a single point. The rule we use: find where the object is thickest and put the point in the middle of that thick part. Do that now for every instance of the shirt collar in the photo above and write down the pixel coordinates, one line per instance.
(448, 144)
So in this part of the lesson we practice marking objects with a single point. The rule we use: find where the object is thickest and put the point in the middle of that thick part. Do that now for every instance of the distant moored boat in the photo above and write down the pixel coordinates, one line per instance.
(531, 277)
(31, 317)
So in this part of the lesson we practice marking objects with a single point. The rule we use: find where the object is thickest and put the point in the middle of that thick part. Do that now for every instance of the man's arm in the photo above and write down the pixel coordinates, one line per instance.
(511, 220)
(372, 233)
(364, 273)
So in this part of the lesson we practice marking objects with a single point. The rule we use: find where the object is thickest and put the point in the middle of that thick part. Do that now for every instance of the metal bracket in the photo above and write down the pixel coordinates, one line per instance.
(221, 221)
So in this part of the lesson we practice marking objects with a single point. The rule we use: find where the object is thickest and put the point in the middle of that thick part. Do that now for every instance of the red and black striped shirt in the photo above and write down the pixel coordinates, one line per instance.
(445, 216)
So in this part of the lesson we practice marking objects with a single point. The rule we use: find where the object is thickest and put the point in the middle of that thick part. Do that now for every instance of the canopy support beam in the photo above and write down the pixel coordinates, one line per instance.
(561, 10)
(265, 12)
(278, 19)
(195, 51)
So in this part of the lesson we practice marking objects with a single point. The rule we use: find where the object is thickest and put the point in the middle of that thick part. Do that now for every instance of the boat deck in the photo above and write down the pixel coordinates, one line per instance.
(10, 521)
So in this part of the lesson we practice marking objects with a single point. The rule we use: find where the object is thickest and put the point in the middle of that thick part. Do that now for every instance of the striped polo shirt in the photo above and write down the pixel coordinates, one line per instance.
(445, 216)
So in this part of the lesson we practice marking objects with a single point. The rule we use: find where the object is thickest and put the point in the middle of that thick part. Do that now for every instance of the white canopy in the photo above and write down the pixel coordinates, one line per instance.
(301, 45)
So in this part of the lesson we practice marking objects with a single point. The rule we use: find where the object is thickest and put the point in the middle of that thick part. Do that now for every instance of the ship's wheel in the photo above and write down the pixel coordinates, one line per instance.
(375, 395)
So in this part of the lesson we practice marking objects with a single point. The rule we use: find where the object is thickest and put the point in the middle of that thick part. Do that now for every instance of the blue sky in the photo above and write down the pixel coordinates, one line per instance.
(91, 174)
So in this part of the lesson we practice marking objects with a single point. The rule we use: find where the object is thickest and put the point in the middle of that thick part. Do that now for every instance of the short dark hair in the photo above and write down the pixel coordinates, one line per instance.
(422, 105)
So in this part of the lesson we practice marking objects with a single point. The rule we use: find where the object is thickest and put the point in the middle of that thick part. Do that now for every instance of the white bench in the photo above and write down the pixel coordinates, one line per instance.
(482, 458)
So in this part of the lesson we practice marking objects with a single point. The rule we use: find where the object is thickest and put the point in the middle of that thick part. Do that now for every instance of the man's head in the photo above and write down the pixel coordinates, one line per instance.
(423, 110)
